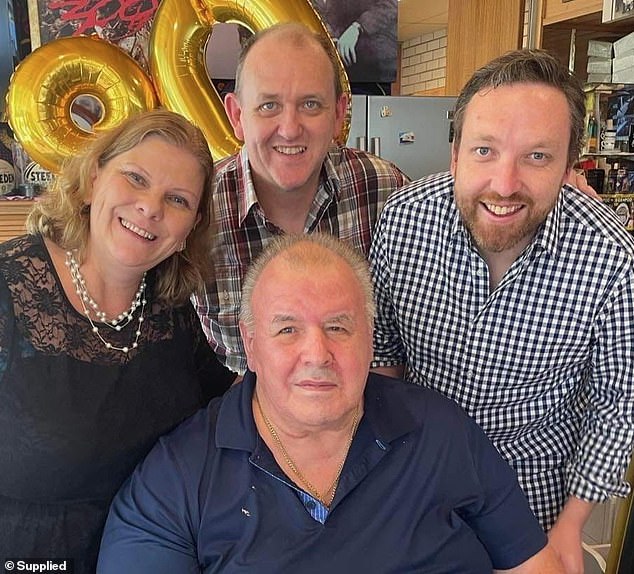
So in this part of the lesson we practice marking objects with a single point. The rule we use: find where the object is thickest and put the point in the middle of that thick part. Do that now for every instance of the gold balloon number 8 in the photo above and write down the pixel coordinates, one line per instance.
(45, 85)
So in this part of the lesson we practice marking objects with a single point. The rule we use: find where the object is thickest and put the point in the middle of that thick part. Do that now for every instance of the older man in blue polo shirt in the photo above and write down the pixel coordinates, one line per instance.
(312, 465)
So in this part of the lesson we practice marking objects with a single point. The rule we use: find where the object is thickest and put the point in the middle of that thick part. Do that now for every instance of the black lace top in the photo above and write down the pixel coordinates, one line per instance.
(75, 417)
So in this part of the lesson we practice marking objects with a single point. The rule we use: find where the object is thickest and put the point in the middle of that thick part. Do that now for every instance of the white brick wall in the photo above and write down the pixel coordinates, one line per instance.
(424, 61)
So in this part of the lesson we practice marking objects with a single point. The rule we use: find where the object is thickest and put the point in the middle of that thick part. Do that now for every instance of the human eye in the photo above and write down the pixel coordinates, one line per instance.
(268, 107)
(179, 200)
(338, 328)
(288, 330)
(312, 105)
(483, 151)
(134, 177)
(539, 156)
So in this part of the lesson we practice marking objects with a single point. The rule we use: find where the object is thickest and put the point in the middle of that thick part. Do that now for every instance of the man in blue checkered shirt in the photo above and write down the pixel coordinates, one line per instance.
(513, 293)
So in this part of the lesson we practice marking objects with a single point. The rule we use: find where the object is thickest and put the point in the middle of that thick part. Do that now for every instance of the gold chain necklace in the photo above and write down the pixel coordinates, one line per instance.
(328, 496)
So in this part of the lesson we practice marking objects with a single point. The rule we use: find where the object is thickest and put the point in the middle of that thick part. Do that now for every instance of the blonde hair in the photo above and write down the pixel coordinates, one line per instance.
(62, 215)
(312, 249)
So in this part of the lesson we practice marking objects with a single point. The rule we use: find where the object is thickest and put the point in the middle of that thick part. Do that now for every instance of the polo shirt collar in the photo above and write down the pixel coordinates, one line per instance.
(387, 418)
(235, 427)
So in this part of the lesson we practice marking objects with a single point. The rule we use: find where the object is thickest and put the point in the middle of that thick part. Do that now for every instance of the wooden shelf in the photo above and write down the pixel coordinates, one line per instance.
(556, 36)
(558, 10)
(12, 217)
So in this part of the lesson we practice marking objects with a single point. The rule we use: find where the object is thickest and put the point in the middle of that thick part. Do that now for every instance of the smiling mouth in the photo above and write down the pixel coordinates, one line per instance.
(140, 232)
(290, 150)
(502, 210)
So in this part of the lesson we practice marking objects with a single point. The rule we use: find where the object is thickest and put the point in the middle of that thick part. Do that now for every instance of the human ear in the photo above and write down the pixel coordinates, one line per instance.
(234, 113)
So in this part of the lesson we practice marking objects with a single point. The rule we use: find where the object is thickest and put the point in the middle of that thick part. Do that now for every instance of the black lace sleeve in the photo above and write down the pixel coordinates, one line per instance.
(6, 326)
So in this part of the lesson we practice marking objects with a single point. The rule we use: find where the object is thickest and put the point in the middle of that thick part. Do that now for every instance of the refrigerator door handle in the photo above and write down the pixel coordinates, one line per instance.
(376, 146)
(362, 143)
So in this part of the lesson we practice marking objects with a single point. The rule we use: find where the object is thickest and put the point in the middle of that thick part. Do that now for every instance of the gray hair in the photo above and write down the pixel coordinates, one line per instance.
(304, 250)
(523, 66)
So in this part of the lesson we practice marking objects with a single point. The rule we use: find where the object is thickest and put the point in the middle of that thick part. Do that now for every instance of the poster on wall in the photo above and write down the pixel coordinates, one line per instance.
(125, 23)
(365, 33)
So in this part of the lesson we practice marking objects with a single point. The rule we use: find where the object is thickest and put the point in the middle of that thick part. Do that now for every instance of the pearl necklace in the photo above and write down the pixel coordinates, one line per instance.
(90, 305)
(328, 496)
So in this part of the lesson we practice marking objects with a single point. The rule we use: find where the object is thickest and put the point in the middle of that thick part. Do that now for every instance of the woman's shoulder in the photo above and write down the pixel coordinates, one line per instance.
(21, 246)
(20, 255)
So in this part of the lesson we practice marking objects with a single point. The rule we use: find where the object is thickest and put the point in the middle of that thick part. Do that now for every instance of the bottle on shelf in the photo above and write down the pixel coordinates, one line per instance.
(613, 178)
(622, 181)
(608, 136)
(592, 134)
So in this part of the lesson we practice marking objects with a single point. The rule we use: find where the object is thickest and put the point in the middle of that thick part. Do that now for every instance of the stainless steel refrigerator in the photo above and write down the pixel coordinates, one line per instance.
(414, 132)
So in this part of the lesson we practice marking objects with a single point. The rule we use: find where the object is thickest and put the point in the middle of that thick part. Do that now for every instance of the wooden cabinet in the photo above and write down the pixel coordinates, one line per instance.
(12, 217)
(560, 10)
(477, 32)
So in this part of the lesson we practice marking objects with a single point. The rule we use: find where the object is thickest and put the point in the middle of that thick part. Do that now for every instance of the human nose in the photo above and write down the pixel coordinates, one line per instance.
(506, 181)
(150, 204)
(290, 125)
(316, 348)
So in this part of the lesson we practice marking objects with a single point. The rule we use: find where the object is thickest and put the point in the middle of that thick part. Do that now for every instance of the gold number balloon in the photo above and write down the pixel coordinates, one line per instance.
(48, 81)
(177, 57)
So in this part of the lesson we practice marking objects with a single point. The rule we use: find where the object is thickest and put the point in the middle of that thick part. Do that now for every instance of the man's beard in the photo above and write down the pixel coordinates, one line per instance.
(498, 238)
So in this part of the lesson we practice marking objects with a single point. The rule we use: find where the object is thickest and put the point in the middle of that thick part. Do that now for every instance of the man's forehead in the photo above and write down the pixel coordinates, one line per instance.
(289, 269)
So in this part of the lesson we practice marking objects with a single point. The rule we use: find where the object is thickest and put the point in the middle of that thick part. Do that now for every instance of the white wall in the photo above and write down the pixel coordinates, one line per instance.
(424, 61)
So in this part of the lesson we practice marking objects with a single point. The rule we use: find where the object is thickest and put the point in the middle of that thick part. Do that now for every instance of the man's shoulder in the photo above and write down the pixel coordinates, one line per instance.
(194, 437)
(400, 400)
(226, 164)
(586, 219)
(429, 200)
(435, 189)
(347, 159)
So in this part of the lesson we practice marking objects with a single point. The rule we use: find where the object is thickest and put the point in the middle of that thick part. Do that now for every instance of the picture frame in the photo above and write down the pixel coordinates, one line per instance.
(614, 10)
(34, 23)
(53, 19)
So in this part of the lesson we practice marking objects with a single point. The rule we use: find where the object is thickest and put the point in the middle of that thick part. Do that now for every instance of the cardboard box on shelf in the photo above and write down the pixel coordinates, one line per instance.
(599, 49)
(625, 76)
(599, 66)
(623, 45)
(623, 62)
(599, 78)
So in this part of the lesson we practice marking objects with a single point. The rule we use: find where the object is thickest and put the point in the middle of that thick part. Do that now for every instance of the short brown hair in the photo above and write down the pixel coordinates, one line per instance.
(522, 66)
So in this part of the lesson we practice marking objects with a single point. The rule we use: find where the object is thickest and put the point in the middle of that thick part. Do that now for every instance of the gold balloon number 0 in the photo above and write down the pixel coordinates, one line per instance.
(48, 81)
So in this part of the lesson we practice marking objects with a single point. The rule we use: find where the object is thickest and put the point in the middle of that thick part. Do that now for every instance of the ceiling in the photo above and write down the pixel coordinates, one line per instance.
(418, 17)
